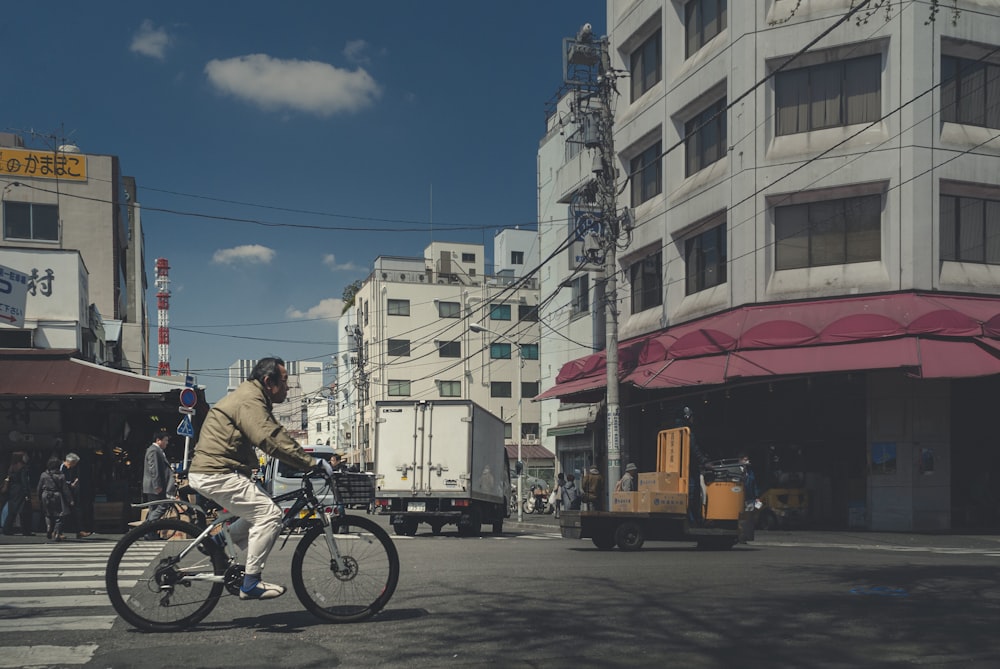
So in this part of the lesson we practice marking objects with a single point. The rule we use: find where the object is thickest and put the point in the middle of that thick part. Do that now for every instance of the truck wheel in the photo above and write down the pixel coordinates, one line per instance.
(629, 537)
(604, 541)
(767, 520)
(498, 527)
(436, 528)
(716, 543)
(472, 524)
(406, 528)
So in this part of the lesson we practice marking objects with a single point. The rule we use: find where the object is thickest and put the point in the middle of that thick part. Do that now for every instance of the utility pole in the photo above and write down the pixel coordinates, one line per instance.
(361, 384)
(587, 68)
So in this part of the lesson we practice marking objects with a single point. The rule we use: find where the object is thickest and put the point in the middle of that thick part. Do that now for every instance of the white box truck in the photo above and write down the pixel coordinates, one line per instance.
(440, 462)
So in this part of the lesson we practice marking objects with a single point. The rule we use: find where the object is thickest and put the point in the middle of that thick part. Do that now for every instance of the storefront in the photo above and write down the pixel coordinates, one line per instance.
(52, 404)
(876, 404)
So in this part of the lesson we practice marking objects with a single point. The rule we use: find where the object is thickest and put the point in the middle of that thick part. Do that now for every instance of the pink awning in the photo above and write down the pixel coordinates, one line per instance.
(930, 334)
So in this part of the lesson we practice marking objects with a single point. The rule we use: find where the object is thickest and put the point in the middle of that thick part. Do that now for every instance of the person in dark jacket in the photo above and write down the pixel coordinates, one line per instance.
(55, 498)
(570, 494)
(697, 462)
(18, 494)
(157, 478)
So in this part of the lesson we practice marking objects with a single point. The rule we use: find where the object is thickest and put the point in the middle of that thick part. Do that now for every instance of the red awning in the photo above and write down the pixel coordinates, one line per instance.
(53, 373)
(929, 334)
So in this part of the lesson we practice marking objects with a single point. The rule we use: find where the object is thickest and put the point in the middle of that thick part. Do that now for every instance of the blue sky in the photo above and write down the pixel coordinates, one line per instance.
(346, 130)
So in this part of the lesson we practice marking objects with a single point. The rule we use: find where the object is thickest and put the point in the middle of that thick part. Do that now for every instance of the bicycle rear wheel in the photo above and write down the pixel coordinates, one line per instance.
(366, 584)
(155, 590)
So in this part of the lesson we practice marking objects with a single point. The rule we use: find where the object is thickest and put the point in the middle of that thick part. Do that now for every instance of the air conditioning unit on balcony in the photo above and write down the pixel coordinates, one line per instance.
(531, 437)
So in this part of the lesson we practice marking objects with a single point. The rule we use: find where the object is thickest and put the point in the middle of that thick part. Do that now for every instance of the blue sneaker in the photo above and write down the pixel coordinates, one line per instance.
(263, 591)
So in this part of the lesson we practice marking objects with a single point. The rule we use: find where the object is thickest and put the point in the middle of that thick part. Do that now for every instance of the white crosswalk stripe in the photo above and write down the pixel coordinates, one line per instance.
(60, 578)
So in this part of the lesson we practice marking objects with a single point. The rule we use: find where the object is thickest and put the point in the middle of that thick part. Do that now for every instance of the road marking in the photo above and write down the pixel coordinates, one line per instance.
(46, 656)
(62, 584)
(53, 602)
(66, 573)
(941, 550)
(60, 623)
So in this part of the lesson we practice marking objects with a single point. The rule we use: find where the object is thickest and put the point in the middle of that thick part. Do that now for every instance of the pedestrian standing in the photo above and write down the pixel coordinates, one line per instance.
(627, 483)
(18, 494)
(55, 499)
(557, 496)
(70, 468)
(570, 494)
(157, 478)
(593, 490)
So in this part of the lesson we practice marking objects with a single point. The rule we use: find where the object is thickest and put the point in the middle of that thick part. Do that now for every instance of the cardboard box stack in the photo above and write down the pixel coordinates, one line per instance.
(659, 492)
(624, 501)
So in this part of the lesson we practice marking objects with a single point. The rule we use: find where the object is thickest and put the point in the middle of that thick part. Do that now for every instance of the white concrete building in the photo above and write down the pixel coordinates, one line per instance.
(413, 317)
(305, 386)
(840, 196)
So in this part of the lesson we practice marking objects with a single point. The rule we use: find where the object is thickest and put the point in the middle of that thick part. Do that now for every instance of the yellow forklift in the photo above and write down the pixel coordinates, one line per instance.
(659, 509)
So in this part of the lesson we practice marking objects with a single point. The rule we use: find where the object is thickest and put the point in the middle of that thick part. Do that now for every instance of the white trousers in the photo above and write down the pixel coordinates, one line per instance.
(260, 517)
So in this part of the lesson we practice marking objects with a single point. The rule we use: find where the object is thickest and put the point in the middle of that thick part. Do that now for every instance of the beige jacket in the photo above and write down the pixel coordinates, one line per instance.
(238, 422)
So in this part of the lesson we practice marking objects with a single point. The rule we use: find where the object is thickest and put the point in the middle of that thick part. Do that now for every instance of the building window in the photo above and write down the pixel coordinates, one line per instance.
(399, 307)
(705, 138)
(644, 66)
(970, 92)
(508, 432)
(647, 176)
(449, 349)
(646, 277)
(580, 303)
(500, 389)
(366, 311)
(399, 388)
(529, 388)
(499, 312)
(529, 351)
(829, 232)
(468, 257)
(449, 310)
(530, 428)
(500, 350)
(399, 347)
(970, 229)
(703, 20)
(828, 95)
(705, 260)
(526, 312)
(517, 257)
(450, 388)
(24, 220)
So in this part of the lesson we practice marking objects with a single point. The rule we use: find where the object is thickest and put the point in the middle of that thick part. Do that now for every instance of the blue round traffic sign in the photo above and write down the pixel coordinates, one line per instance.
(188, 397)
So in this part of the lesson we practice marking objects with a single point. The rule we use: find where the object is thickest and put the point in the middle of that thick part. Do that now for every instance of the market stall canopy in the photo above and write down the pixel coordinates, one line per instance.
(928, 335)
(55, 373)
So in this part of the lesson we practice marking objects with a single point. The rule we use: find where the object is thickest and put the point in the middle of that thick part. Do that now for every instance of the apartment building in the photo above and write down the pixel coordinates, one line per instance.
(408, 336)
(812, 264)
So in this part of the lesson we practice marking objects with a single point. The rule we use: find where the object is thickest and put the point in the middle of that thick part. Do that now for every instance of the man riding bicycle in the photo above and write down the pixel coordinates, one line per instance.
(224, 460)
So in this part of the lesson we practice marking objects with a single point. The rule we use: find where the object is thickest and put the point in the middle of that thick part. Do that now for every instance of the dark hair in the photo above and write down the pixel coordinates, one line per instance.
(266, 369)
(53, 463)
(161, 434)
(570, 477)
(561, 475)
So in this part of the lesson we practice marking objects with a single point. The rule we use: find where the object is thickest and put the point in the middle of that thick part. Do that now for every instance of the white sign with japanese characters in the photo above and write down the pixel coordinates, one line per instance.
(13, 296)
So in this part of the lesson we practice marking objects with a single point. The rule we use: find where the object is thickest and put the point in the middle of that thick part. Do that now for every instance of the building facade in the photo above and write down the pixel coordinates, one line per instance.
(408, 337)
(842, 195)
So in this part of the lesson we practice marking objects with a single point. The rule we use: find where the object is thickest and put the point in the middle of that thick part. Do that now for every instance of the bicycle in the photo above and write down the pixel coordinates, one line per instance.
(337, 578)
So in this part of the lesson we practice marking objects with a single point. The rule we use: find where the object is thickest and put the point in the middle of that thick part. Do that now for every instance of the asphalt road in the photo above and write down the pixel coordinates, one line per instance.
(532, 599)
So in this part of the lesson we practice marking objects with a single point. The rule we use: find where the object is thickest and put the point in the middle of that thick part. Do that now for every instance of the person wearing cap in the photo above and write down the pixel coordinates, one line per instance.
(592, 488)
(627, 482)
(157, 478)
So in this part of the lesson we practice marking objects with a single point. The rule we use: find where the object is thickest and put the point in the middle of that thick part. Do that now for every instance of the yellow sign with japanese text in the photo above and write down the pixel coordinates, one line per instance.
(43, 164)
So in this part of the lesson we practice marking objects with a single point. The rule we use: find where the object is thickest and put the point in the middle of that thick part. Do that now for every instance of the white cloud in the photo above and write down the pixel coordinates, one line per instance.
(331, 261)
(150, 41)
(248, 253)
(331, 307)
(355, 50)
(301, 85)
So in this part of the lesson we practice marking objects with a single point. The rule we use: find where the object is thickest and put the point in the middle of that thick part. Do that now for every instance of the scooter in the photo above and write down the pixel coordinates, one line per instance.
(537, 501)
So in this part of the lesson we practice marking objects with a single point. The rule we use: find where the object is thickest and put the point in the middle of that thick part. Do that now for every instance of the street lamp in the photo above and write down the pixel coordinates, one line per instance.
(477, 328)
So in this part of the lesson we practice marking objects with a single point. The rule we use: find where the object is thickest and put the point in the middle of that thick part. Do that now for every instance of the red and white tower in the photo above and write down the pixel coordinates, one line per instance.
(163, 315)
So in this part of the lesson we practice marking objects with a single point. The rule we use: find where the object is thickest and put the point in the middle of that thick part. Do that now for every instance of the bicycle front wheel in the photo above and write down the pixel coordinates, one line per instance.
(364, 585)
(154, 589)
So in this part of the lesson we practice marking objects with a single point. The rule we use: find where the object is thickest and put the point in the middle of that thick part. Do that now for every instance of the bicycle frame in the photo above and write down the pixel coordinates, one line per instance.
(305, 500)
